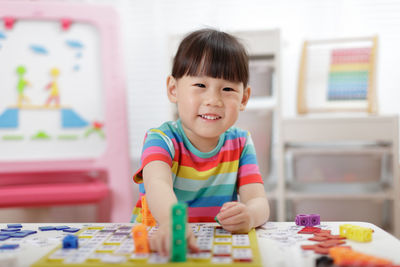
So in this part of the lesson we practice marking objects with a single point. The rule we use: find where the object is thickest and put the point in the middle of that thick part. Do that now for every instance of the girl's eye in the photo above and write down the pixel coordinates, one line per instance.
(228, 89)
(200, 85)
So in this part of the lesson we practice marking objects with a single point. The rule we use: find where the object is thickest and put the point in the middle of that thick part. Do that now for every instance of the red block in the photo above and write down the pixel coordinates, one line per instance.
(309, 230)
(318, 238)
(320, 250)
(308, 247)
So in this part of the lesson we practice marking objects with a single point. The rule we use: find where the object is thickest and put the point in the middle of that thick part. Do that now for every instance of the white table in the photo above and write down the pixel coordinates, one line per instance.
(279, 243)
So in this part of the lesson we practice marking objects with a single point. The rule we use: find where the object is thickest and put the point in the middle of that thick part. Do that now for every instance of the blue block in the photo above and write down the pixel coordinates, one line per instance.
(71, 230)
(70, 241)
(10, 230)
(5, 233)
(4, 237)
(9, 246)
(29, 232)
(19, 234)
(47, 228)
(71, 119)
(63, 227)
(9, 118)
(14, 225)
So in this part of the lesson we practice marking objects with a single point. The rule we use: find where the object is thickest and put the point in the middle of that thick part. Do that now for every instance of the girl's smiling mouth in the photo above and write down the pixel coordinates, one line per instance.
(210, 116)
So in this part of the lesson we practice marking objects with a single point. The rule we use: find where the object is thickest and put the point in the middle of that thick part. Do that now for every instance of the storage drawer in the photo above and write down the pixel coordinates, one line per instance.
(259, 124)
(339, 165)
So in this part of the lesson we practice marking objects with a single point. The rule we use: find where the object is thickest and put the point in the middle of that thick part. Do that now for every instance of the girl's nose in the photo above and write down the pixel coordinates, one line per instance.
(213, 98)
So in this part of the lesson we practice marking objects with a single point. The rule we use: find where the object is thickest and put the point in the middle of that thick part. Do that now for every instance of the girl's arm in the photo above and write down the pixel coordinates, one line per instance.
(160, 197)
(250, 212)
(254, 197)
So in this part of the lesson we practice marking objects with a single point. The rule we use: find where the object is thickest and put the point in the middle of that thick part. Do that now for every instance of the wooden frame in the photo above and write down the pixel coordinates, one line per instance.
(366, 103)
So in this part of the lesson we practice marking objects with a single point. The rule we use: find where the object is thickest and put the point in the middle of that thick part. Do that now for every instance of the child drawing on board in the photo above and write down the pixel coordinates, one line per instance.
(201, 158)
(54, 94)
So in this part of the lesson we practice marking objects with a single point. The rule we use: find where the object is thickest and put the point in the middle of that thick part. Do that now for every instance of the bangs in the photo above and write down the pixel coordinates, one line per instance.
(214, 54)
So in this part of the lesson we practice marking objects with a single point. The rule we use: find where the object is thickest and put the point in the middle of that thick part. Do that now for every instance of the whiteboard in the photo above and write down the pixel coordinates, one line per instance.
(71, 129)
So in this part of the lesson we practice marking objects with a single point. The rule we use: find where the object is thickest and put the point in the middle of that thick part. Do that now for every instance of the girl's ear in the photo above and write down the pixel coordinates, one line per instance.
(171, 89)
(245, 98)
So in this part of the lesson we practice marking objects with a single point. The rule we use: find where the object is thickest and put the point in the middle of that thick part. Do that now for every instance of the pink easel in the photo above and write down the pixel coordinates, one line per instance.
(105, 180)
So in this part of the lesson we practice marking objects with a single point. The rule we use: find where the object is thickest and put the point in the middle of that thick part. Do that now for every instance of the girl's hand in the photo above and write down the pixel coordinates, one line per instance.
(161, 240)
(235, 217)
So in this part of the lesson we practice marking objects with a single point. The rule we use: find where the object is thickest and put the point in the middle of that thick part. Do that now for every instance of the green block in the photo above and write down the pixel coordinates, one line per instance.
(178, 236)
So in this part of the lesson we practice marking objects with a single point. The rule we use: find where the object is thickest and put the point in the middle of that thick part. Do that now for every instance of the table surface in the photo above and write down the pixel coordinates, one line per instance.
(279, 243)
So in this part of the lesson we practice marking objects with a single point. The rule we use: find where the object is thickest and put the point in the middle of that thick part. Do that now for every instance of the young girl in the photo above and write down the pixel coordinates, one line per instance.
(201, 159)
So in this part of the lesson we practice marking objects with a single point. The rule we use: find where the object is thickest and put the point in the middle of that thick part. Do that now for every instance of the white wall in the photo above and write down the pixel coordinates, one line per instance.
(147, 25)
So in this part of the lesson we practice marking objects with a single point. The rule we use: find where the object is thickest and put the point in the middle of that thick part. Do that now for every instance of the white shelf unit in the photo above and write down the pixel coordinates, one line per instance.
(262, 115)
(343, 136)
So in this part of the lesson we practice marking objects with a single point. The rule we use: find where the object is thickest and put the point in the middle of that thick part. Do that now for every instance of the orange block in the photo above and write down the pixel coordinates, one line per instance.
(140, 238)
(344, 257)
(147, 217)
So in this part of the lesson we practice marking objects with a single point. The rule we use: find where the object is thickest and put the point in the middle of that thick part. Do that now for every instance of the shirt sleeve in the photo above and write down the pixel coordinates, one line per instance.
(157, 146)
(248, 167)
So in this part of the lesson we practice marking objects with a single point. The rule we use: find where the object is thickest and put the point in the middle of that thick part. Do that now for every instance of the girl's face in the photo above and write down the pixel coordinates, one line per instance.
(207, 107)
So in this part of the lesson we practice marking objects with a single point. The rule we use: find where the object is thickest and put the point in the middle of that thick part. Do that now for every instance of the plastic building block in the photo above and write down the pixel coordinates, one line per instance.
(4, 237)
(20, 234)
(47, 228)
(10, 230)
(315, 219)
(307, 219)
(62, 227)
(356, 233)
(14, 225)
(70, 241)
(147, 217)
(140, 239)
(344, 256)
(179, 220)
(70, 230)
(301, 219)
(309, 230)
(9, 246)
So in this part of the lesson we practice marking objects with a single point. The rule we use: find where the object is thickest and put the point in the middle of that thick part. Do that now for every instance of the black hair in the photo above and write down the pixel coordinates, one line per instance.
(212, 53)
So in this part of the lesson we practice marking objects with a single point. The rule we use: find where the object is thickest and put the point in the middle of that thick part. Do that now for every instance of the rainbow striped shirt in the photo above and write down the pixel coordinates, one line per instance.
(204, 180)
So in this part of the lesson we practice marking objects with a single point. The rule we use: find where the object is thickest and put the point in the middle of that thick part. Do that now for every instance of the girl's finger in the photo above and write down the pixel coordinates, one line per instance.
(192, 244)
(227, 205)
(232, 211)
(152, 243)
(166, 244)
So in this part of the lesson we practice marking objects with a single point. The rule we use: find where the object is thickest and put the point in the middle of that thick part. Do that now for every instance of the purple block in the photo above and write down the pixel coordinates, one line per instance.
(302, 219)
(315, 219)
